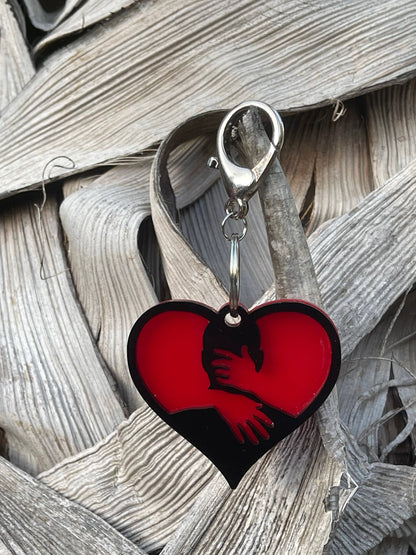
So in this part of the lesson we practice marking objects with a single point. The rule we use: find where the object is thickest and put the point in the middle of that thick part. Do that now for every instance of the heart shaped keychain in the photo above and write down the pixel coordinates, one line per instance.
(235, 382)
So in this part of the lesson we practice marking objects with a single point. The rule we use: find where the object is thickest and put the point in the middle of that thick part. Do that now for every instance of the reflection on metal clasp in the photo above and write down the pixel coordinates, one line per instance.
(241, 183)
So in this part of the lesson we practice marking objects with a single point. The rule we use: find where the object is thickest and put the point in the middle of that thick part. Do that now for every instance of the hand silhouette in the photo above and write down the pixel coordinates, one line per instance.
(244, 417)
(237, 371)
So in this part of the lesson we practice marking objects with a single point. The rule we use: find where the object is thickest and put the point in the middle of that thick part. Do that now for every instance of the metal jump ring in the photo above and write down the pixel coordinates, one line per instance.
(237, 207)
(234, 275)
(239, 237)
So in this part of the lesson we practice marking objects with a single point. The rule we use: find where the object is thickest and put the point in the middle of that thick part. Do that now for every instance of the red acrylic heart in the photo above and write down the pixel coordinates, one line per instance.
(234, 391)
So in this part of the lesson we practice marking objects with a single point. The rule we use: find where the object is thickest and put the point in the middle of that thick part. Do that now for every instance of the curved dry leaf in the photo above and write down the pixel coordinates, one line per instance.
(16, 67)
(45, 19)
(391, 546)
(363, 386)
(401, 348)
(391, 122)
(407, 530)
(201, 60)
(342, 170)
(56, 395)
(298, 155)
(89, 13)
(201, 227)
(142, 479)
(102, 223)
(187, 166)
(382, 503)
(255, 517)
(36, 519)
(359, 241)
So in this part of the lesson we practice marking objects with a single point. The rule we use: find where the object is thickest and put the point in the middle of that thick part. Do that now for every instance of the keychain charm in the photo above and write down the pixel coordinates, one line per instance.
(235, 382)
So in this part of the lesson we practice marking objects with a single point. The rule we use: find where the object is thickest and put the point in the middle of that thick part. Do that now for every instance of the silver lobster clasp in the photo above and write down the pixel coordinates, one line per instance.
(241, 183)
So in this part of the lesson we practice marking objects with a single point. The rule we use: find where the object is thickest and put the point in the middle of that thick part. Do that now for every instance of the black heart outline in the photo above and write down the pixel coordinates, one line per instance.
(204, 428)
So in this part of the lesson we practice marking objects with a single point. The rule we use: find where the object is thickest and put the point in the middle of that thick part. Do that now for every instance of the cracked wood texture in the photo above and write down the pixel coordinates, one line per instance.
(86, 94)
